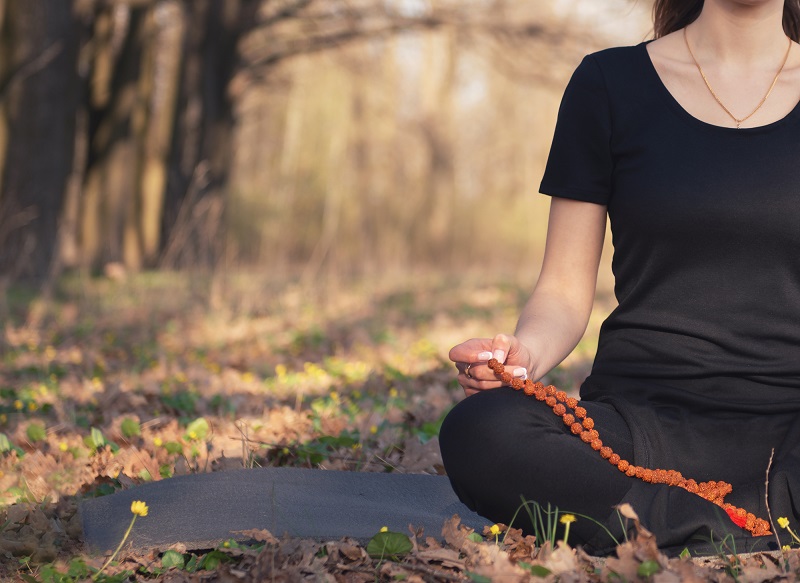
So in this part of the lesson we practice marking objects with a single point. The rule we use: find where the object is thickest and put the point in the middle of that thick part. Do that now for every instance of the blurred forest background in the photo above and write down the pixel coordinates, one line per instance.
(240, 233)
(295, 137)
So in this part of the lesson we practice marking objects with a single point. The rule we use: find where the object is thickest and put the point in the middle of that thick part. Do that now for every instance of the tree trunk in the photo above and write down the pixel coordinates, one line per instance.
(38, 91)
(203, 138)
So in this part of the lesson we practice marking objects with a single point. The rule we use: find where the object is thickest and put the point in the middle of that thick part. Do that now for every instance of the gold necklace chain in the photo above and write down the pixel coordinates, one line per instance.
(716, 97)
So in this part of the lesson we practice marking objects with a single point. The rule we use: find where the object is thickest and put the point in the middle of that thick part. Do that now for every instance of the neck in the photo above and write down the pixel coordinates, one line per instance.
(739, 33)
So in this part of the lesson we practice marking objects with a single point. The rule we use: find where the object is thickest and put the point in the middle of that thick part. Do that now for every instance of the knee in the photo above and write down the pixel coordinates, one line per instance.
(476, 417)
(477, 430)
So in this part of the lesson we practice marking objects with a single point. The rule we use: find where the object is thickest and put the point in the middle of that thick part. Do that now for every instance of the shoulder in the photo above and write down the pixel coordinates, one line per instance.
(617, 74)
(608, 71)
(613, 60)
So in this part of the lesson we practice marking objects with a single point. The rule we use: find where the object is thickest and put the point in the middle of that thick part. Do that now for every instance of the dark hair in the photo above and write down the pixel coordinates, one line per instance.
(672, 15)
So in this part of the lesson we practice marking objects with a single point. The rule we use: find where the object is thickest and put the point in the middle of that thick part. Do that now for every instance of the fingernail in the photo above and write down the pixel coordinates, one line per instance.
(520, 372)
(484, 356)
(500, 355)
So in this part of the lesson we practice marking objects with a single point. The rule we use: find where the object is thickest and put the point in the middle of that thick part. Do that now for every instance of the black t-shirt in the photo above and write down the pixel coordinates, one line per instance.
(705, 223)
(705, 341)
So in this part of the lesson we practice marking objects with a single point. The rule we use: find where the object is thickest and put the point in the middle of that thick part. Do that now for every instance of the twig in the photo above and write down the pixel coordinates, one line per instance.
(766, 501)
(29, 67)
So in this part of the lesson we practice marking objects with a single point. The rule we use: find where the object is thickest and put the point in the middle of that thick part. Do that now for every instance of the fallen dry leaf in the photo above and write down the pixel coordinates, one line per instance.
(561, 560)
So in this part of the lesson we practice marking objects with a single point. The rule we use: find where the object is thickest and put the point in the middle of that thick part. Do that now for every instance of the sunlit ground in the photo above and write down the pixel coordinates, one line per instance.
(110, 384)
(114, 383)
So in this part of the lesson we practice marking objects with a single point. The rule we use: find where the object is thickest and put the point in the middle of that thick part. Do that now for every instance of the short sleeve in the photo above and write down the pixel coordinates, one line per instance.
(580, 165)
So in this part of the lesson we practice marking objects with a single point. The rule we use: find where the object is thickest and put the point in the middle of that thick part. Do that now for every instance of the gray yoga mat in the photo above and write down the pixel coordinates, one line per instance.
(203, 510)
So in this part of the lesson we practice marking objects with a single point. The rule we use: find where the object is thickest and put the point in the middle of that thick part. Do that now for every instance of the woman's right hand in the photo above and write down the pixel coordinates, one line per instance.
(470, 358)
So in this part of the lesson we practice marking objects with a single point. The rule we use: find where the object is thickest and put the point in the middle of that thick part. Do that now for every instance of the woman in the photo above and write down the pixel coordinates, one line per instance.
(690, 144)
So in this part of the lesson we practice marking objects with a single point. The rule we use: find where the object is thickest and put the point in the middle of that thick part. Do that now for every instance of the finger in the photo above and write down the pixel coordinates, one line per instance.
(473, 350)
(500, 347)
(480, 371)
(475, 384)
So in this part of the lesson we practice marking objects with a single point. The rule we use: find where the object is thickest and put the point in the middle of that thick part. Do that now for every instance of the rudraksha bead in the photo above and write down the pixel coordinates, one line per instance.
(712, 491)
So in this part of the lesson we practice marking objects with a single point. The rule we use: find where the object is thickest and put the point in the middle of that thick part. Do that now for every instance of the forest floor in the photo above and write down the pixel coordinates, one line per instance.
(109, 384)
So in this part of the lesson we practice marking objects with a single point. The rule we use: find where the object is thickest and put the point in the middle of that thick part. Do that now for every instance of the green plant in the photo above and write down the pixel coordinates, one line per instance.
(389, 545)
(545, 521)
(725, 550)
(197, 430)
(36, 432)
(130, 428)
(96, 440)
(172, 559)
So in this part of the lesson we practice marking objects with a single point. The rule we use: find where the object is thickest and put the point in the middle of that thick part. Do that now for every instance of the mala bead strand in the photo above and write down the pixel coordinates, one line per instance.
(580, 424)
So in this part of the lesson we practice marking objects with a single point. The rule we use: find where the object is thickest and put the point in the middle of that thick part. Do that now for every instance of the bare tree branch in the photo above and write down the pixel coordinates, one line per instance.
(29, 67)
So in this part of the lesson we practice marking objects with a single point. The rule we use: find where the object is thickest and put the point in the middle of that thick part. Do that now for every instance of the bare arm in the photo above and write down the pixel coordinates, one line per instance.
(555, 317)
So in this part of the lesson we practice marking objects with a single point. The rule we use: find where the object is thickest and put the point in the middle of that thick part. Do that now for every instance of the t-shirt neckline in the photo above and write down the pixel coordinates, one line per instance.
(676, 106)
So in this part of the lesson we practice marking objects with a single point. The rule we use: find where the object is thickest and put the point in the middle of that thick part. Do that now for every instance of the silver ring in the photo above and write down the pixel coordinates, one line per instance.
(466, 370)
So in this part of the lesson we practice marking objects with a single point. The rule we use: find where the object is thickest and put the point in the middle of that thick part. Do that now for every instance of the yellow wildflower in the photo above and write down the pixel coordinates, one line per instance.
(495, 530)
(373, 430)
(158, 442)
(786, 548)
(384, 529)
(139, 508)
(393, 393)
(783, 522)
(63, 446)
(32, 406)
(18, 405)
(3, 418)
(567, 520)
(280, 370)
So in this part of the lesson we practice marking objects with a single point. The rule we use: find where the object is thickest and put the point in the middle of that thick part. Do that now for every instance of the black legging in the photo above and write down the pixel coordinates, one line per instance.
(501, 445)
